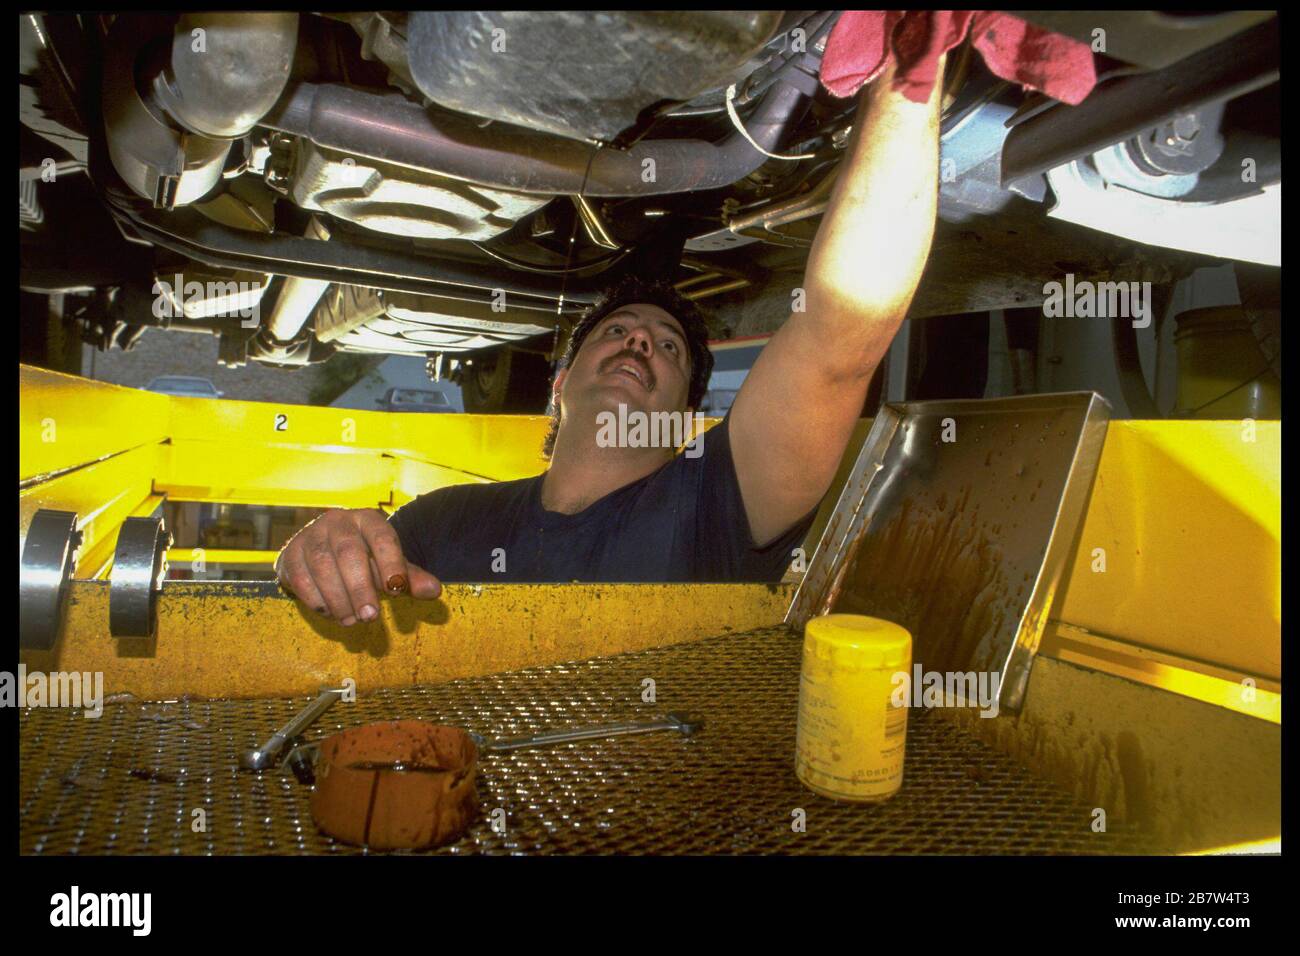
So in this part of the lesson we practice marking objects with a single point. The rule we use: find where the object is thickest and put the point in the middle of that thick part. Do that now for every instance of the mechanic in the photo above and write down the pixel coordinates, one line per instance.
(606, 511)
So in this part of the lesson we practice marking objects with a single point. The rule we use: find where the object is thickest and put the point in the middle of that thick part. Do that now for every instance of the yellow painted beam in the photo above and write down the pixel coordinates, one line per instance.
(1187, 519)
(184, 557)
(1244, 693)
(413, 478)
(495, 447)
(65, 421)
(245, 639)
(253, 473)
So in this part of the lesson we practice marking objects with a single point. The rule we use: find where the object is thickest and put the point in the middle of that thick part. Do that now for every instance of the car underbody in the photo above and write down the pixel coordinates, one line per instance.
(459, 186)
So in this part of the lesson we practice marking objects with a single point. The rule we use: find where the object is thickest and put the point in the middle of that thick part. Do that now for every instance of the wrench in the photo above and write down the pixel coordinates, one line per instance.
(679, 722)
(302, 758)
(265, 756)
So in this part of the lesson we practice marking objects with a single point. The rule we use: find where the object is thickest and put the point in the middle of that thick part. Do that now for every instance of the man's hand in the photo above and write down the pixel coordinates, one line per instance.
(339, 563)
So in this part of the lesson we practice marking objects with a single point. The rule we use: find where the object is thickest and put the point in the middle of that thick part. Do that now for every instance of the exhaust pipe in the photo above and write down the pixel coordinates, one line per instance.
(297, 298)
(391, 129)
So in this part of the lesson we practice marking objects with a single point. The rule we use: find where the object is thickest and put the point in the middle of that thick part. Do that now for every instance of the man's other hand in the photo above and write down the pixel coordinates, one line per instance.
(340, 563)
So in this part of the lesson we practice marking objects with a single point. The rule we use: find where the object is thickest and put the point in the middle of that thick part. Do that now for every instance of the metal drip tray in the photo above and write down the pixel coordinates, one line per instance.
(131, 781)
(957, 522)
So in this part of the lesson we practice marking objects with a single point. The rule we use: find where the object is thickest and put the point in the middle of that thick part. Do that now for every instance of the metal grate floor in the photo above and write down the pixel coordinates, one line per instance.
(130, 781)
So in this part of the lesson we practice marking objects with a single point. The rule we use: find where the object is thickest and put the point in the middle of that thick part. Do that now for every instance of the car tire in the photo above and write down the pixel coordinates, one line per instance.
(507, 382)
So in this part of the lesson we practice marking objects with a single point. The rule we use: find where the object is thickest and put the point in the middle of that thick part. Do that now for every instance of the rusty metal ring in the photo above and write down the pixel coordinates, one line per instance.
(401, 784)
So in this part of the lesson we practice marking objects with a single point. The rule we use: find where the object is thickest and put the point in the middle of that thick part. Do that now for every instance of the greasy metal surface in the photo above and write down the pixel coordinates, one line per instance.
(631, 60)
(248, 639)
(957, 523)
(845, 523)
(1191, 774)
(131, 781)
(400, 200)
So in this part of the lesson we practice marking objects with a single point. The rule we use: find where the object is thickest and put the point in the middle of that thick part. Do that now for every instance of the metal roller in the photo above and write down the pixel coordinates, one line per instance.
(47, 562)
(139, 566)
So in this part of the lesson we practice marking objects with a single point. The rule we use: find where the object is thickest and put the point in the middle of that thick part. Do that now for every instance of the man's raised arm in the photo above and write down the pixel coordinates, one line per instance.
(794, 415)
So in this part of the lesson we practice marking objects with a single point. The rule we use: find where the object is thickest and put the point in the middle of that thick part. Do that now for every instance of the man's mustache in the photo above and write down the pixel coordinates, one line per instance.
(637, 359)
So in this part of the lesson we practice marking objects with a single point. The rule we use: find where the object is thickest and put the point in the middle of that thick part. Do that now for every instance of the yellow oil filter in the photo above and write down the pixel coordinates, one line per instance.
(851, 737)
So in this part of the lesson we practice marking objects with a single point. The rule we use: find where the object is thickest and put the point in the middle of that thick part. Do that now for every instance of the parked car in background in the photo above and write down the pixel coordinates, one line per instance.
(190, 386)
(414, 400)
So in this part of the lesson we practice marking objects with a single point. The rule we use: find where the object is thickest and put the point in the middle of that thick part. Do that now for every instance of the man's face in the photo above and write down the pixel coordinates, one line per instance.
(636, 356)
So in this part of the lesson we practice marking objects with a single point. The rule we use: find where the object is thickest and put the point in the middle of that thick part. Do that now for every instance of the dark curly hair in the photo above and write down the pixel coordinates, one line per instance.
(633, 290)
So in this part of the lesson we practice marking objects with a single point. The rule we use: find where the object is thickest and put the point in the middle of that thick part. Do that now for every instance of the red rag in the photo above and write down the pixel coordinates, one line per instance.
(863, 42)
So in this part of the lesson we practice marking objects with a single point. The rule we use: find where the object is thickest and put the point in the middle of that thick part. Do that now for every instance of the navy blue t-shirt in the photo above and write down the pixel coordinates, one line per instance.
(684, 522)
